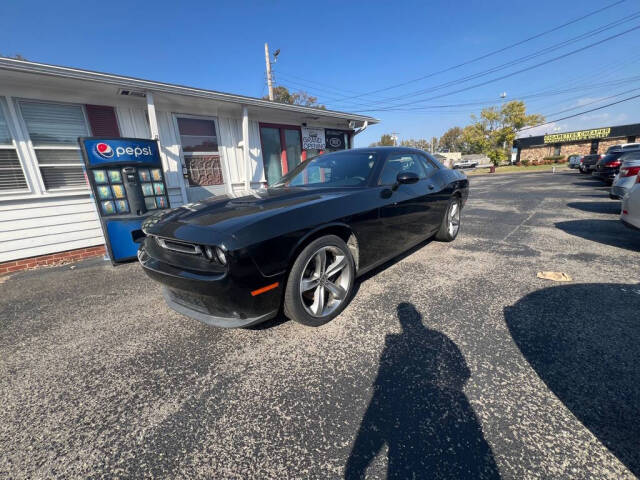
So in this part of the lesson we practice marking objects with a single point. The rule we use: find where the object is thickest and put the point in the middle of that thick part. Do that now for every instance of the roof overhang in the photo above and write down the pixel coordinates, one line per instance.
(132, 83)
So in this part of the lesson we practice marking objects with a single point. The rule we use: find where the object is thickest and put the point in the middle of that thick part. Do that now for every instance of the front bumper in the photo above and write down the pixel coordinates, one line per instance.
(217, 298)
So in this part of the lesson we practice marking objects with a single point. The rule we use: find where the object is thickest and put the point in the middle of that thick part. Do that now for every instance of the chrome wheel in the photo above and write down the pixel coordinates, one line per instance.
(454, 219)
(325, 282)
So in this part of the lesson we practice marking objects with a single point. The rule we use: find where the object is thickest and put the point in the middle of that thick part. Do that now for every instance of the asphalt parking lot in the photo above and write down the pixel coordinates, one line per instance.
(454, 361)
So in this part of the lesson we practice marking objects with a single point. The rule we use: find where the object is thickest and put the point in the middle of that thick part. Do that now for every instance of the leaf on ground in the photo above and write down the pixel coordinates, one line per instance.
(555, 276)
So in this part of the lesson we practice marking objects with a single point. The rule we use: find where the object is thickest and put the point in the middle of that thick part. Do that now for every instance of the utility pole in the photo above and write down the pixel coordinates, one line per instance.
(269, 79)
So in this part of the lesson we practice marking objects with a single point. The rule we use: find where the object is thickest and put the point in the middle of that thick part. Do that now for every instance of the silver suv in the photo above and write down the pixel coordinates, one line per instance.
(626, 177)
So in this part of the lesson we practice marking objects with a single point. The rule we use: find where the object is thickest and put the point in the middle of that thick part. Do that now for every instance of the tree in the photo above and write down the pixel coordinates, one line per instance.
(281, 94)
(17, 56)
(386, 140)
(493, 132)
(421, 144)
(451, 140)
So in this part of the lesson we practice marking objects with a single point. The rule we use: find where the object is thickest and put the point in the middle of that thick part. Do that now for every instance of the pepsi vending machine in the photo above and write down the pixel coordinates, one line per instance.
(125, 175)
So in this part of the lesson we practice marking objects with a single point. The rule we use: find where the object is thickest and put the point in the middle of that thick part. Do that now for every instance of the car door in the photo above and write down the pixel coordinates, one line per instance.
(405, 212)
(439, 192)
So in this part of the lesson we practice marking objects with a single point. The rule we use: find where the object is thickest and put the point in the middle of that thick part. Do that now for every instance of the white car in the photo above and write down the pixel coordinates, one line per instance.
(626, 177)
(630, 214)
(465, 163)
(574, 161)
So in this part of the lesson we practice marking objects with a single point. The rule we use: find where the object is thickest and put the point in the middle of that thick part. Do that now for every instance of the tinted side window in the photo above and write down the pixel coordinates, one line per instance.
(427, 164)
(400, 163)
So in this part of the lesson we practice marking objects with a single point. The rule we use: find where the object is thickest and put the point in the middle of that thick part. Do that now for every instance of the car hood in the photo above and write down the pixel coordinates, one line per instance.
(215, 218)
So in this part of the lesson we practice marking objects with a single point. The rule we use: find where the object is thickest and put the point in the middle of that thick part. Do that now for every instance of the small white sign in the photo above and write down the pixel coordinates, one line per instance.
(313, 138)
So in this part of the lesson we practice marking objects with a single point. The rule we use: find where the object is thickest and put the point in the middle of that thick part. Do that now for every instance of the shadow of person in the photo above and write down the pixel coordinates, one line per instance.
(418, 409)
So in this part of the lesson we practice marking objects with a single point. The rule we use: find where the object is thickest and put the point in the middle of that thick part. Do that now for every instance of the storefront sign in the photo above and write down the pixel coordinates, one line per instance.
(335, 139)
(313, 138)
(577, 136)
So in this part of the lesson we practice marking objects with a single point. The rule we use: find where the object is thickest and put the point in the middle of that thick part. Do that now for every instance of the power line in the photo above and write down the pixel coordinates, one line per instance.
(531, 67)
(580, 113)
(516, 61)
(495, 52)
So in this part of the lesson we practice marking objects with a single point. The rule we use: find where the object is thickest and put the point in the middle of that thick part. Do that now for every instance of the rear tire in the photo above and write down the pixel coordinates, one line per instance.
(450, 225)
(320, 282)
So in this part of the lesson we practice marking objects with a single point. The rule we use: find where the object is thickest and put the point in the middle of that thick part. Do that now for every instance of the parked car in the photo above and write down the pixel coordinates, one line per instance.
(465, 163)
(626, 177)
(625, 147)
(574, 161)
(608, 166)
(589, 162)
(300, 244)
(630, 214)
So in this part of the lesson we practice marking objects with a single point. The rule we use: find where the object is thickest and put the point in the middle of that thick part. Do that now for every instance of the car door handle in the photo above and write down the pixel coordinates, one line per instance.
(431, 187)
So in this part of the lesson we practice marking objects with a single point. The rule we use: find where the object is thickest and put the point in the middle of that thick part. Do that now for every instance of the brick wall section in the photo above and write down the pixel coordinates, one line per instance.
(52, 259)
(604, 144)
(536, 154)
(583, 148)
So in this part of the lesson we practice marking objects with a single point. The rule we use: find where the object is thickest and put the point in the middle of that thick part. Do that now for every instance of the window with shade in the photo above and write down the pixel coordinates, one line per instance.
(199, 142)
(12, 177)
(54, 129)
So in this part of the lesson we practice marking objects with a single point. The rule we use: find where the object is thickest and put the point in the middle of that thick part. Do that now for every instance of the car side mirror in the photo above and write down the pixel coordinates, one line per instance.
(406, 177)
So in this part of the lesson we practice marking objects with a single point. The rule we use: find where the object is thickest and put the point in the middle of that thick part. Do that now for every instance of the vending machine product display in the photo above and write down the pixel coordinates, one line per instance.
(127, 183)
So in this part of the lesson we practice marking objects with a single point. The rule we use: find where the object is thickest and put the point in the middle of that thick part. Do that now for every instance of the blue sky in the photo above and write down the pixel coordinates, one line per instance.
(337, 50)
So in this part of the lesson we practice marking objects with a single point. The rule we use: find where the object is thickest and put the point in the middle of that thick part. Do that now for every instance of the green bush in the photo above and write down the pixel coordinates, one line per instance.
(526, 162)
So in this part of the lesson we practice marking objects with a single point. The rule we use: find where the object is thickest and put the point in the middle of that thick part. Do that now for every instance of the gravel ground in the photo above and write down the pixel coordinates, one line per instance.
(454, 361)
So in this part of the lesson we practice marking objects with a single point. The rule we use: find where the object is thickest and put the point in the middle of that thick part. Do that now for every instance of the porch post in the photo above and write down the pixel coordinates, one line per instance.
(153, 120)
(245, 147)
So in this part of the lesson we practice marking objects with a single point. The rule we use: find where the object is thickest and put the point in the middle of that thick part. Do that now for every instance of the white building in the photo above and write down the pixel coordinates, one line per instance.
(211, 143)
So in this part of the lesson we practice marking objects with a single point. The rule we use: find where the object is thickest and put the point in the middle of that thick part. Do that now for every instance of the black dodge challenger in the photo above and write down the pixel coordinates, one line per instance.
(299, 244)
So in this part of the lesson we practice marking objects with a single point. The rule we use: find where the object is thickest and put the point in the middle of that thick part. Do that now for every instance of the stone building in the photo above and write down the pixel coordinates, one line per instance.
(581, 142)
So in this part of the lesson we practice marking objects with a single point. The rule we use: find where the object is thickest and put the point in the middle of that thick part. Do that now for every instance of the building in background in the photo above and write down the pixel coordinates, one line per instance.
(210, 143)
(582, 142)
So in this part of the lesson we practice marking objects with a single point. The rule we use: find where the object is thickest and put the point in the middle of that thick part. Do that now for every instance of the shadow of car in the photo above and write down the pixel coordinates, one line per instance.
(582, 340)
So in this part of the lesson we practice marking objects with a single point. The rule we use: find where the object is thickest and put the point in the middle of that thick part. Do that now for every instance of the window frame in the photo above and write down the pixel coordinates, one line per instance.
(8, 117)
(284, 164)
(434, 164)
(33, 149)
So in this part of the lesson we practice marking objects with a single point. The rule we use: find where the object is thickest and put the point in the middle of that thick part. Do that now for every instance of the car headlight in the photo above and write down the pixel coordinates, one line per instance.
(215, 254)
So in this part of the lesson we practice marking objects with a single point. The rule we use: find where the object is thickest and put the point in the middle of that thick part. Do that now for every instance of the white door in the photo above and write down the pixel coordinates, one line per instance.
(199, 140)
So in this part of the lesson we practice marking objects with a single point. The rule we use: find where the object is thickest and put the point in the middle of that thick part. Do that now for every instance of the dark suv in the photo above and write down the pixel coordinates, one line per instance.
(608, 166)
(588, 163)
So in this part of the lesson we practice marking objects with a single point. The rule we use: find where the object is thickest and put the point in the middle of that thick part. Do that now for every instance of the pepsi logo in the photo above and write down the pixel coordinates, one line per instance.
(104, 150)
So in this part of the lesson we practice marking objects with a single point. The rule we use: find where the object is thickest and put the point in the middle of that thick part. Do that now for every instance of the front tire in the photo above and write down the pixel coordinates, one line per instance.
(320, 282)
(450, 225)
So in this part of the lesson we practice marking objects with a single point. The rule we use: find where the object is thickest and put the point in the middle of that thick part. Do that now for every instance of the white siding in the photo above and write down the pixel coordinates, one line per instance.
(41, 226)
(175, 197)
(170, 149)
(255, 152)
(132, 122)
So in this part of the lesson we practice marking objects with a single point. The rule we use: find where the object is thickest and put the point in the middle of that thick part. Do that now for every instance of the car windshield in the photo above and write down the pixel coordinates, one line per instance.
(341, 169)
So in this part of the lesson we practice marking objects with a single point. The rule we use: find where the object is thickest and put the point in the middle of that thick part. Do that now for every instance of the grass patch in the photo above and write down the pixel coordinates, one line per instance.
(518, 169)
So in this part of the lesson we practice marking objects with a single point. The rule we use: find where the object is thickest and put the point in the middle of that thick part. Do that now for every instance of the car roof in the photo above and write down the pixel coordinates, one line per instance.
(386, 150)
